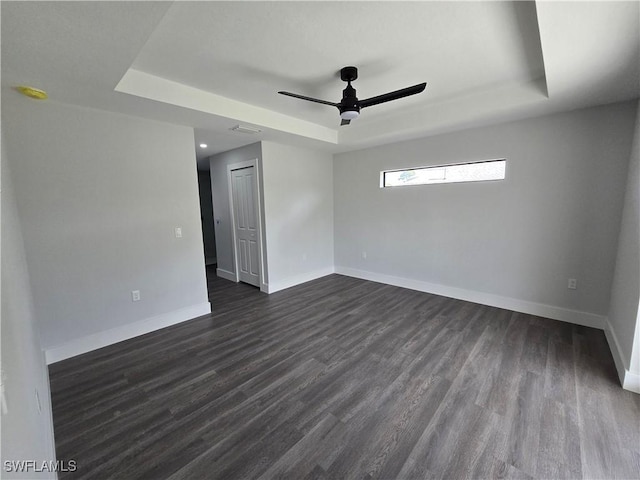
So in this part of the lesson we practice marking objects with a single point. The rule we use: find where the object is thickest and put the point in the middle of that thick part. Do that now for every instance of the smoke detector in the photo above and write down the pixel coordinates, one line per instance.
(32, 92)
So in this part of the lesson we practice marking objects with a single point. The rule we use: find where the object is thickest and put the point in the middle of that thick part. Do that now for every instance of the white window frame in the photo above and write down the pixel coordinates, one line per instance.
(442, 167)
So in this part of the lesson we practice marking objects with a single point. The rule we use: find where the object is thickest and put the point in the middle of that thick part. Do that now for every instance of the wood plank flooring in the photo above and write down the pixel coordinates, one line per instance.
(341, 378)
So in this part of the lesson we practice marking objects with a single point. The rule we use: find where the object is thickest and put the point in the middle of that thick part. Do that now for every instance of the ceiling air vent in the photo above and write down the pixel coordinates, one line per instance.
(245, 129)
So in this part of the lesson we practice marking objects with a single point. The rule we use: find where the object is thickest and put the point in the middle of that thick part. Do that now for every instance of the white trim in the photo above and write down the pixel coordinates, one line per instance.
(629, 381)
(548, 311)
(234, 253)
(124, 332)
(51, 441)
(226, 274)
(298, 279)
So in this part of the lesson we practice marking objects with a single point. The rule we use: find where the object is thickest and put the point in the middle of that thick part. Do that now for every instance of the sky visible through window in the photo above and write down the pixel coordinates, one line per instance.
(464, 172)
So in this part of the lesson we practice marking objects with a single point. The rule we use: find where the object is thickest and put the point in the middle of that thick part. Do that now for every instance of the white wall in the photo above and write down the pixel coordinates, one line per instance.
(99, 195)
(512, 243)
(298, 206)
(296, 195)
(27, 432)
(623, 330)
(222, 215)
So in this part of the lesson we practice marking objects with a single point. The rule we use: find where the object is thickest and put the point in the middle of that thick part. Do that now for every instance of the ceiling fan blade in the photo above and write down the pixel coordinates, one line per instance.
(345, 122)
(387, 97)
(302, 97)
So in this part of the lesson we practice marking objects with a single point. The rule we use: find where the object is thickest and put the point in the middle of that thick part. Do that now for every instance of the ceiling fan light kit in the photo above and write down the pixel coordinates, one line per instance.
(350, 106)
(349, 114)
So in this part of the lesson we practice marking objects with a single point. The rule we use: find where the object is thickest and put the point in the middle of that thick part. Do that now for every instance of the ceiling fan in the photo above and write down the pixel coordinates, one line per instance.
(350, 106)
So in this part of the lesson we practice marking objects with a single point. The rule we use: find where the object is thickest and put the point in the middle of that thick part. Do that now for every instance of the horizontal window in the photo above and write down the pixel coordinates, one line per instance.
(460, 172)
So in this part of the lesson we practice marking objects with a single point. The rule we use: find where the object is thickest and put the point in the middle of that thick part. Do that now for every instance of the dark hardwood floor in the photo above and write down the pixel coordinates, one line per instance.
(341, 378)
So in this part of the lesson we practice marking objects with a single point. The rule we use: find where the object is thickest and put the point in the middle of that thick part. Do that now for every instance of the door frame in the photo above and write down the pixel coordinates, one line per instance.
(258, 199)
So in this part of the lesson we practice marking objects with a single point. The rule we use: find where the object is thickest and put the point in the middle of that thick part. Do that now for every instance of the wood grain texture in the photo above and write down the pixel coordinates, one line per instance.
(341, 378)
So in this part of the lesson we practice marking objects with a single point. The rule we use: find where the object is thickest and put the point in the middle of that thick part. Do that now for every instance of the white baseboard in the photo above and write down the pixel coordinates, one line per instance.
(273, 287)
(616, 351)
(548, 311)
(629, 381)
(124, 332)
(226, 274)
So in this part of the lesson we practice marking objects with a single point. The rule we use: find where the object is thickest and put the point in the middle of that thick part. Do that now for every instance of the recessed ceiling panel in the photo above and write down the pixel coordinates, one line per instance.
(247, 51)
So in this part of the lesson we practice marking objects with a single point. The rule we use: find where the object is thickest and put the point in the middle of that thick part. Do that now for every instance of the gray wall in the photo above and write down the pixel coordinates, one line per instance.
(296, 192)
(625, 293)
(555, 217)
(220, 192)
(298, 205)
(99, 195)
(27, 432)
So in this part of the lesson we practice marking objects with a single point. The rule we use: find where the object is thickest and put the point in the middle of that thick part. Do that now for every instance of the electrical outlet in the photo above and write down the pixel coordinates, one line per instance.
(572, 284)
(178, 232)
(135, 295)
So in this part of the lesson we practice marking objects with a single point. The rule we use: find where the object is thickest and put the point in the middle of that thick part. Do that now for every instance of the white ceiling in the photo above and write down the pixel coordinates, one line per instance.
(213, 65)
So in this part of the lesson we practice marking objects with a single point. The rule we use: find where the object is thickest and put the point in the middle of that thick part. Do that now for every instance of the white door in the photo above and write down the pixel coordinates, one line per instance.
(243, 189)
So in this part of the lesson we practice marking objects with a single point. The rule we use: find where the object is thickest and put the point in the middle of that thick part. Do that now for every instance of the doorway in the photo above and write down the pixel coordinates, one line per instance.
(245, 215)
(206, 217)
